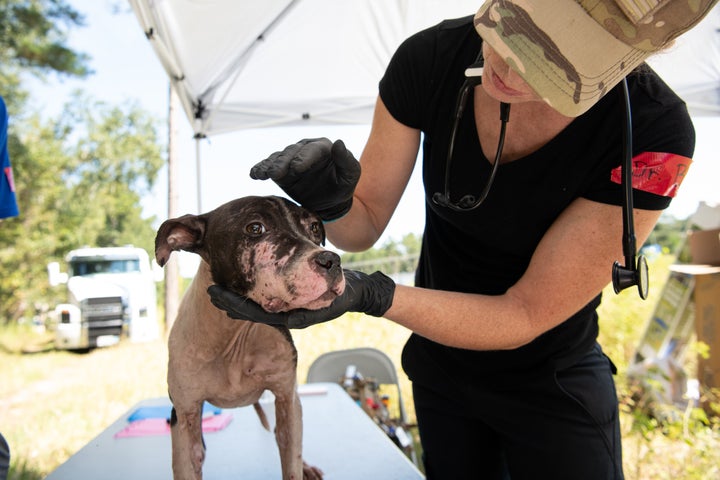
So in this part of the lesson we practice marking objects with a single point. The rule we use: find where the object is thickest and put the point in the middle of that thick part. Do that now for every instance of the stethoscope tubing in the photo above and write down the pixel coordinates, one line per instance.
(623, 276)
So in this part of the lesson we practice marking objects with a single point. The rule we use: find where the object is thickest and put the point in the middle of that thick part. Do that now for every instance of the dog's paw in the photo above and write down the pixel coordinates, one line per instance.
(311, 473)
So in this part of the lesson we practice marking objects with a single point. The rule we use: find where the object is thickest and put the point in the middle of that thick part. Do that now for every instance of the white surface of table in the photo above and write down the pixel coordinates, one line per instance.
(338, 437)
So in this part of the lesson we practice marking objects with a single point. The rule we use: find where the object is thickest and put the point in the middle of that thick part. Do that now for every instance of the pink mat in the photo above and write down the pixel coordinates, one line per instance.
(160, 426)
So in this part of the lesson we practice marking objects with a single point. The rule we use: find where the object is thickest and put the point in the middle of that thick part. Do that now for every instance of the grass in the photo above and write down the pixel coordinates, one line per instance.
(57, 401)
(54, 402)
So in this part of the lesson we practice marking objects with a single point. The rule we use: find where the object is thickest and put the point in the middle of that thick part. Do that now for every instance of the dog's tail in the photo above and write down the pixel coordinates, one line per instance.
(261, 413)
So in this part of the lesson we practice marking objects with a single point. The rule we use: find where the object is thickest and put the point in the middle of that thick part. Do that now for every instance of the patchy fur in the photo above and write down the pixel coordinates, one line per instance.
(267, 249)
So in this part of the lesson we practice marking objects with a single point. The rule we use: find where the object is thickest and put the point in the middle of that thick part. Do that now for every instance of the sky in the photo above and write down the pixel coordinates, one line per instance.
(127, 70)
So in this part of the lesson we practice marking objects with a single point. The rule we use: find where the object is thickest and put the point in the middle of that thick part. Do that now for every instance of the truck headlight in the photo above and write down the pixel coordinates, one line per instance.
(66, 313)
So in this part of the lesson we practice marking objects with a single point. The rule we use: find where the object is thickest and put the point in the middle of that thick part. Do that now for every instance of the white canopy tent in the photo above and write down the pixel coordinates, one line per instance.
(692, 66)
(247, 64)
(239, 64)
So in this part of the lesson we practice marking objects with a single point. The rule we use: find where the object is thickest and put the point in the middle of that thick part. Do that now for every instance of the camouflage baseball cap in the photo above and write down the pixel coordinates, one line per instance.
(572, 52)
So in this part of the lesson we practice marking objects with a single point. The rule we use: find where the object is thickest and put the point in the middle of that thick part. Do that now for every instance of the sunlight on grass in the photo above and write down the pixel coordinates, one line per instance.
(57, 401)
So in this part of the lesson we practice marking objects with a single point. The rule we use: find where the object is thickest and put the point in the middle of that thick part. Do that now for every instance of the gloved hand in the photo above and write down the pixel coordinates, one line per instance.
(319, 175)
(371, 294)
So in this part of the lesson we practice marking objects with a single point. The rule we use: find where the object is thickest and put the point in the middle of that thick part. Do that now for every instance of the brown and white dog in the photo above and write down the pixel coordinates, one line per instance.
(268, 249)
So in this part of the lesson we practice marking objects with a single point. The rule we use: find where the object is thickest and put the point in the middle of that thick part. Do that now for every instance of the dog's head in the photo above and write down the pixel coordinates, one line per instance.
(265, 248)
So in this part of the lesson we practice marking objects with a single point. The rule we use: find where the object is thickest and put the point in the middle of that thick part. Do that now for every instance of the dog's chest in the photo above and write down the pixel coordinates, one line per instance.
(251, 359)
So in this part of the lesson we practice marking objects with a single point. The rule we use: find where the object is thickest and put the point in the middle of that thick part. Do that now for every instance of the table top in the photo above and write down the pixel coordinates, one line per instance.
(338, 437)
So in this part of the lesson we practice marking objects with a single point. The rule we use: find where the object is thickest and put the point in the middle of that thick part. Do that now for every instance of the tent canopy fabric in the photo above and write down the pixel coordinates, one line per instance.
(245, 64)
(238, 64)
(692, 66)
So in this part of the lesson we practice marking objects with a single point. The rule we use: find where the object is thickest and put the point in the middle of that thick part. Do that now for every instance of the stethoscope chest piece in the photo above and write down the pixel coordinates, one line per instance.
(623, 277)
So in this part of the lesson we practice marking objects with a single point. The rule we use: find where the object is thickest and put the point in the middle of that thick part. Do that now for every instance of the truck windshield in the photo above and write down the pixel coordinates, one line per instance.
(94, 266)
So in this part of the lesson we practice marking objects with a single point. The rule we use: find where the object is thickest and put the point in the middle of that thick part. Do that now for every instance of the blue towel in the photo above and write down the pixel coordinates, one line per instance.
(163, 411)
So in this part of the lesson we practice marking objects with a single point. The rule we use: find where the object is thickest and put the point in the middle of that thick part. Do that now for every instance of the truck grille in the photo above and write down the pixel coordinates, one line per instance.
(104, 316)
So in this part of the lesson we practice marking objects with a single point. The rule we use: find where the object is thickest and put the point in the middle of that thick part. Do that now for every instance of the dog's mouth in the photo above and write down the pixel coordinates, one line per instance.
(331, 295)
(277, 304)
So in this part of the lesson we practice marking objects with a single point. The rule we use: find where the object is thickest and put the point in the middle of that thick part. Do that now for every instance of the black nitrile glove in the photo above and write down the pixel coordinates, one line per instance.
(319, 175)
(371, 294)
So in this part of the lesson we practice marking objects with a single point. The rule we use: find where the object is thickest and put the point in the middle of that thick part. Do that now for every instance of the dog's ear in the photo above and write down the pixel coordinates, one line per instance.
(182, 233)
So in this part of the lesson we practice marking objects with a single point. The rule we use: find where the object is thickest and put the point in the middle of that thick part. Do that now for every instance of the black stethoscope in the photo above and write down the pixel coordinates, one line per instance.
(635, 270)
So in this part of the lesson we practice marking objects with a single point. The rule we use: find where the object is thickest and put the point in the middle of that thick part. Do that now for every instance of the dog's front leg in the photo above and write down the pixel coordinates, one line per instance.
(288, 433)
(188, 446)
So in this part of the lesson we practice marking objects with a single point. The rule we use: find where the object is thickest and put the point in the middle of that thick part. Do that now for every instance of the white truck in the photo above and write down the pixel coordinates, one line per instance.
(111, 295)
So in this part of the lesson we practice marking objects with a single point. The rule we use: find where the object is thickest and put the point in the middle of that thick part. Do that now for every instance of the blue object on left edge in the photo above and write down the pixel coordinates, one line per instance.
(163, 411)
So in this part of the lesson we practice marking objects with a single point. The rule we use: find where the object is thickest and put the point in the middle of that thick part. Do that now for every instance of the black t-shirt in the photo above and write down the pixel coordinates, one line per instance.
(488, 249)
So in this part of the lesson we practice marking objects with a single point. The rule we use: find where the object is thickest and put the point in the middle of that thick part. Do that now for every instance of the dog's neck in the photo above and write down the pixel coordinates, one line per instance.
(203, 279)
(199, 296)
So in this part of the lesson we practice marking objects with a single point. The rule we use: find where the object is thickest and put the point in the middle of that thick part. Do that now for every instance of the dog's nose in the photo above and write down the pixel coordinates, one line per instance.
(328, 260)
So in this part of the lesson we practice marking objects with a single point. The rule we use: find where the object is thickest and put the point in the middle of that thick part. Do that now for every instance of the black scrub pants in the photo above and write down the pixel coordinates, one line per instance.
(554, 425)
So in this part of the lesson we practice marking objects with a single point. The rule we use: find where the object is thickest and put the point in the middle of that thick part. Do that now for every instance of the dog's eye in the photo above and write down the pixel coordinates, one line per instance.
(255, 228)
(316, 229)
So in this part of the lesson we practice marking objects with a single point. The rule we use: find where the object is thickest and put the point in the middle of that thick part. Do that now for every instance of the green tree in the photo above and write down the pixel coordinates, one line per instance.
(391, 257)
(80, 176)
(80, 180)
(669, 233)
(33, 40)
(116, 160)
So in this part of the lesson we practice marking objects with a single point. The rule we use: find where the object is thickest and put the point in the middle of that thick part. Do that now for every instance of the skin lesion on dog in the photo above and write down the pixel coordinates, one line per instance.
(270, 250)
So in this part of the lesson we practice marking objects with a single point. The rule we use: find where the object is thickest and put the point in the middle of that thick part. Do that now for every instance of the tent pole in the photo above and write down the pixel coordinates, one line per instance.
(198, 172)
(172, 267)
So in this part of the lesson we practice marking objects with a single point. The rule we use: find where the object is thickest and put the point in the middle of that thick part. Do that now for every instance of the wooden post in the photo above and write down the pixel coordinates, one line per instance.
(172, 269)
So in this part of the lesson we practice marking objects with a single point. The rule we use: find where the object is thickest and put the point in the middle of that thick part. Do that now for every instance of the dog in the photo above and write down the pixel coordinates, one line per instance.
(270, 250)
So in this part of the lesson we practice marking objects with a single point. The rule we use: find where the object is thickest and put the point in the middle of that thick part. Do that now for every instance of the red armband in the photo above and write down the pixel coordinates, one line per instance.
(655, 172)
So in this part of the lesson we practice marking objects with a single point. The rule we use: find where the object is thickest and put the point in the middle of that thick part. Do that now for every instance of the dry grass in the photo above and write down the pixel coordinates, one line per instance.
(55, 402)
(52, 402)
